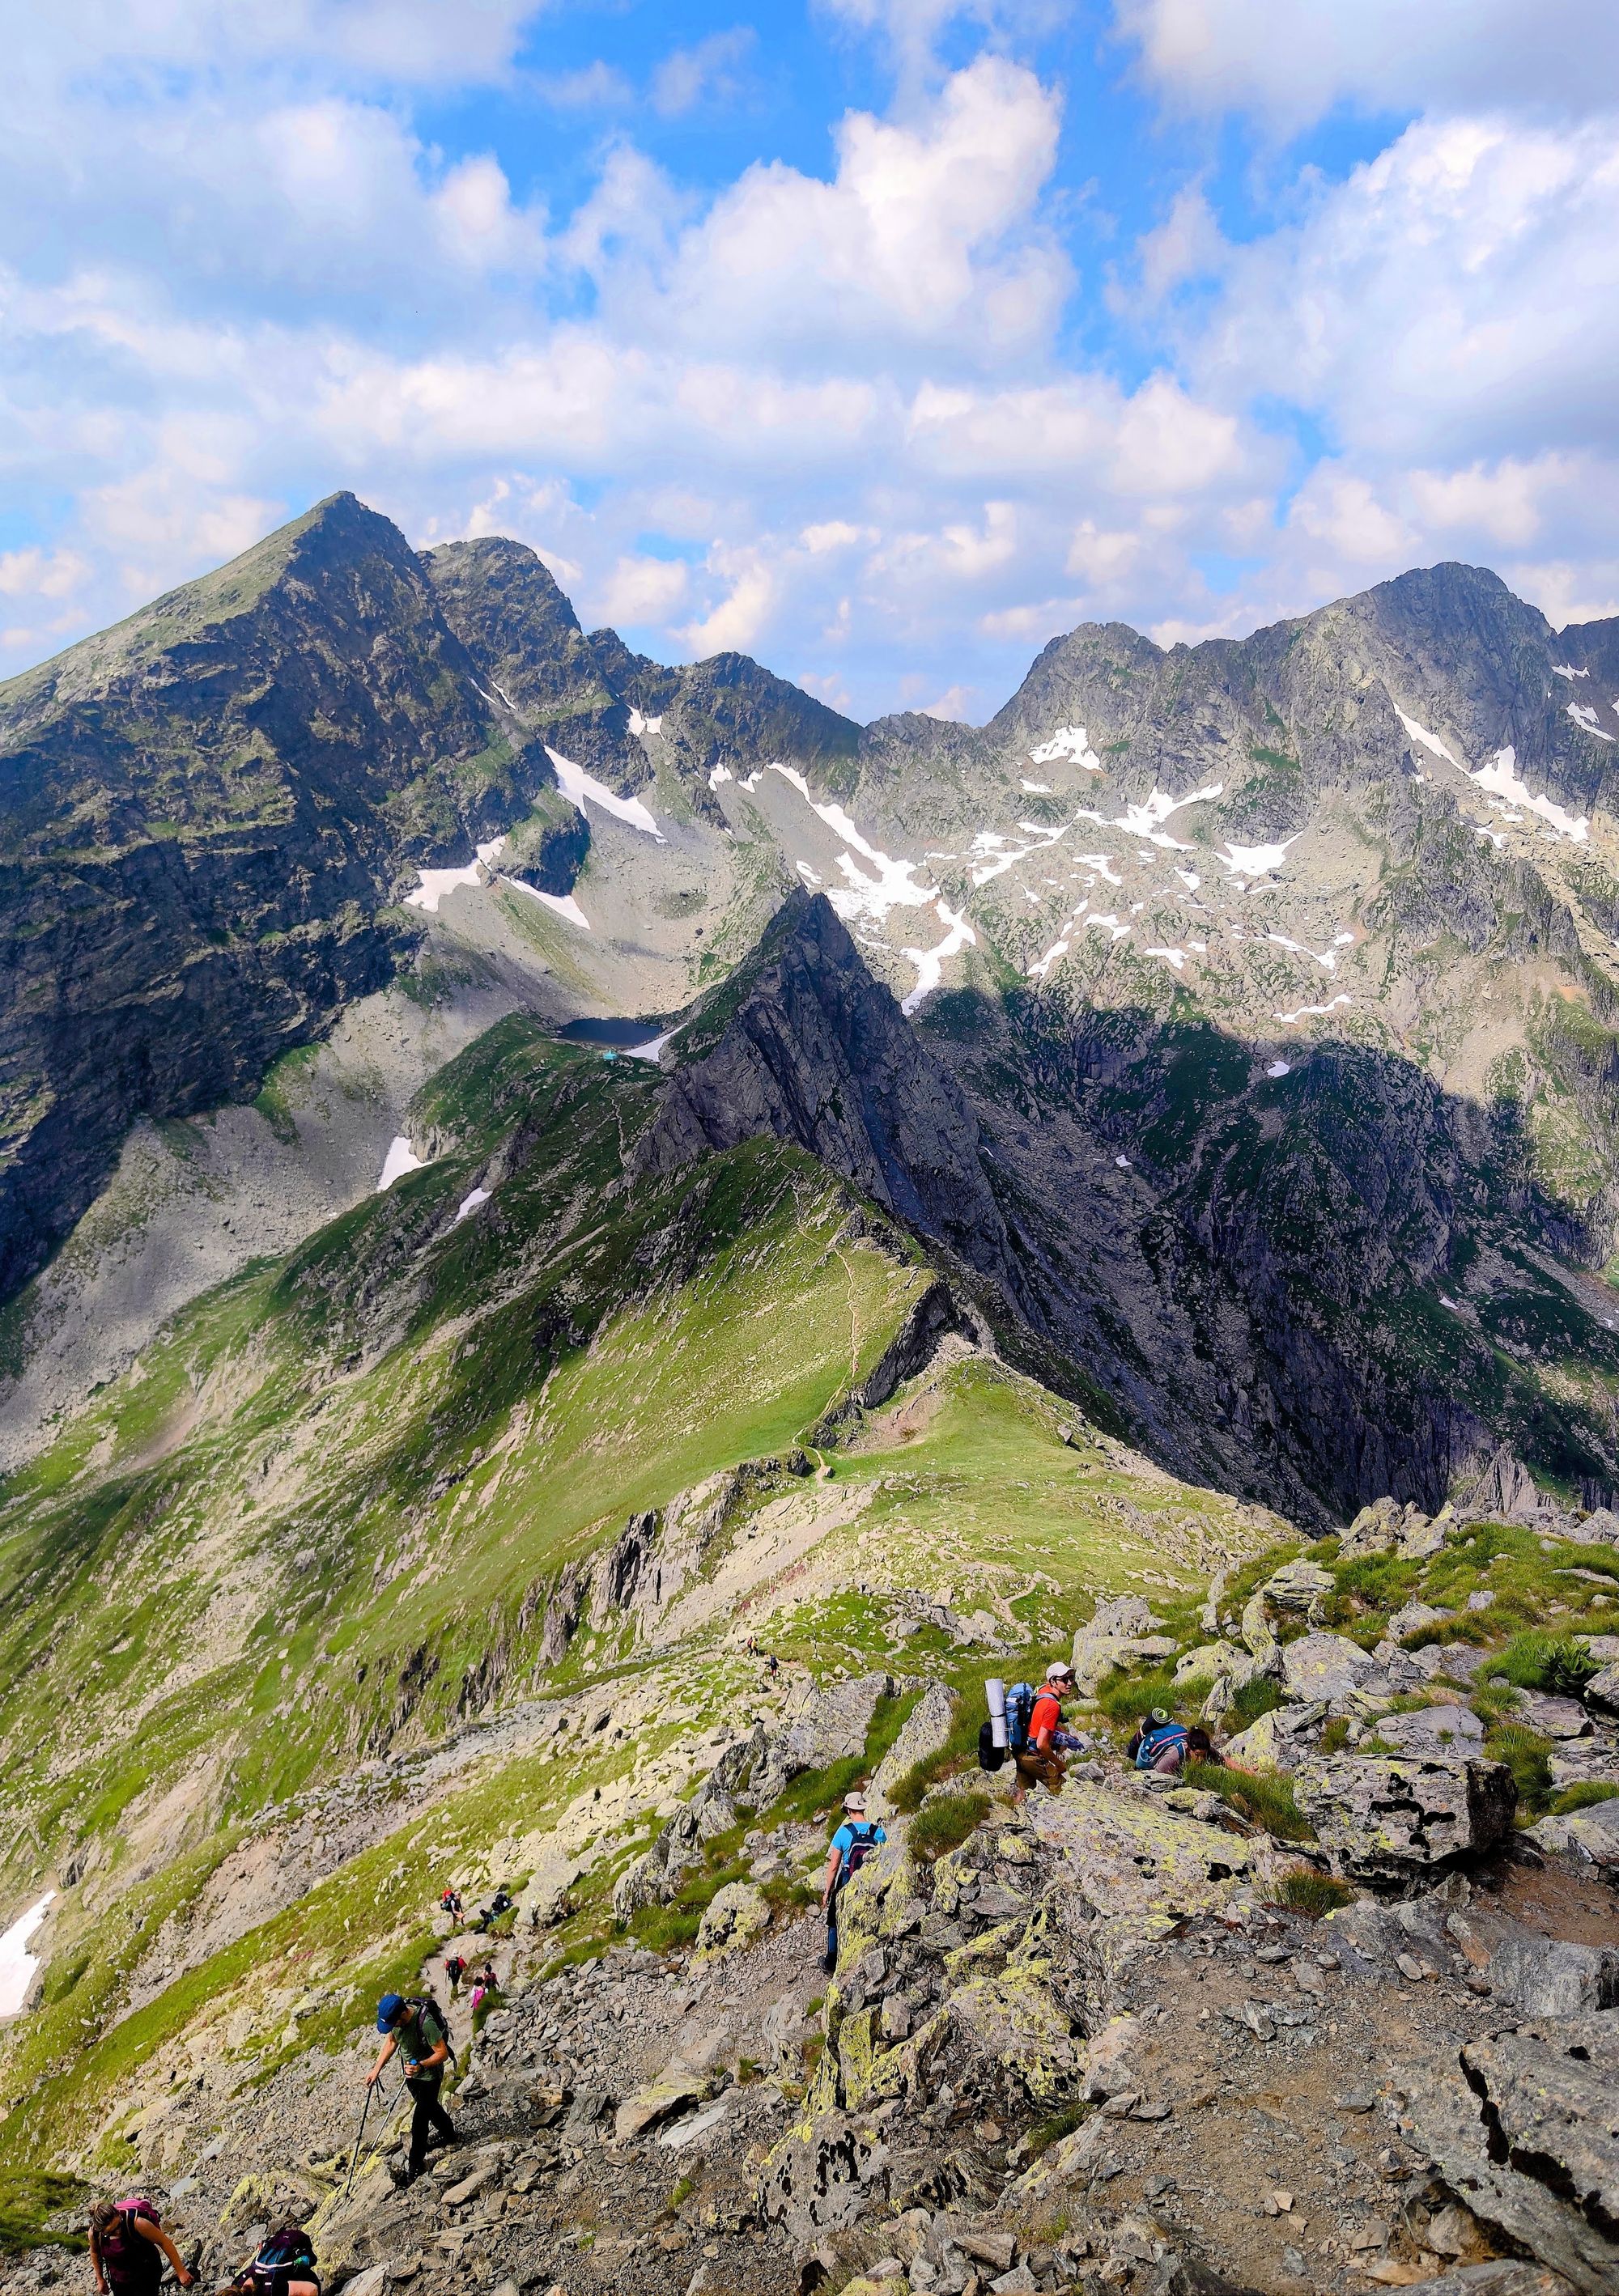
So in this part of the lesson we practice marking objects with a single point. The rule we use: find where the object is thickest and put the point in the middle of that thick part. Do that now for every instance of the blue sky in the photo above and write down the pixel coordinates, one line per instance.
(882, 338)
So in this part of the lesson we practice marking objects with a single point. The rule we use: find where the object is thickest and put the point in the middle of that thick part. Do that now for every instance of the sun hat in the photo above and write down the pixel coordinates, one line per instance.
(854, 1801)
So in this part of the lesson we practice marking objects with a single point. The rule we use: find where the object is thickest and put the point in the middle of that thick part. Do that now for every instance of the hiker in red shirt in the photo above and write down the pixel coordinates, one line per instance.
(1040, 1757)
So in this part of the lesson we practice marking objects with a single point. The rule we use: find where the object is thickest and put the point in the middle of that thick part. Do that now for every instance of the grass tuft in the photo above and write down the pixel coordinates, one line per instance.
(1586, 1795)
(1308, 1891)
(944, 1825)
(1266, 1801)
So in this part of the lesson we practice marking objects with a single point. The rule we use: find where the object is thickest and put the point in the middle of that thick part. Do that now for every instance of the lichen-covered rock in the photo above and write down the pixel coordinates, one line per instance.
(1301, 1586)
(1328, 1668)
(1523, 2128)
(824, 2174)
(1279, 1740)
(733, 1918)
(1588, 1837)
(1121, 1631)
(1134, 1860)
(1602, 1691)
(1392, 1818)
(1443, 1729)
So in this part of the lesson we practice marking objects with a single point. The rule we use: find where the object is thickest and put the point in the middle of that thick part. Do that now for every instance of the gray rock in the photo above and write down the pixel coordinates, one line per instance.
(1279, 1740)
(1554, 1717)
(831, 1727)
(823, 2175)
(1412, 1616)
(1301, 1586)
(1432, 1730)
(1326, 1668)
(1589, 1837)
(1599, 1528)
(924, 1732)
(1505, 2276)
(1602, 1691)
(1390, 1818)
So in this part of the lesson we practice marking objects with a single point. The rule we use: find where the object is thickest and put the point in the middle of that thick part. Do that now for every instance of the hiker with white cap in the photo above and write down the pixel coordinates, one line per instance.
(1038, 1757)
(851, 1845)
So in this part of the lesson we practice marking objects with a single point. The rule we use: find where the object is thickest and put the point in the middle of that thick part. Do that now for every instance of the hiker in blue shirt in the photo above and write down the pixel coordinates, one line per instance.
(851, 1845)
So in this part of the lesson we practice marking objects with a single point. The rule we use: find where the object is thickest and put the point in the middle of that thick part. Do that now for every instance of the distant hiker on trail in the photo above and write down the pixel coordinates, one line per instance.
(455, 1969)
(451, 1903)
(1037, 1756)
(851, 1845)
(128, 2247)
(502, 1902)
(485, 1983)
(1159, 1745)
(284, 2266)
(417, 2027)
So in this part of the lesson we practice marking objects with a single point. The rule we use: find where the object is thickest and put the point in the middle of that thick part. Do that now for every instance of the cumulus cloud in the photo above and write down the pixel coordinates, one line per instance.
(708, 73)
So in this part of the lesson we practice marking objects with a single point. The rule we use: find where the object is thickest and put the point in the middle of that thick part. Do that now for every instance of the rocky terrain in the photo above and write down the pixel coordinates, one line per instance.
(590, 1248)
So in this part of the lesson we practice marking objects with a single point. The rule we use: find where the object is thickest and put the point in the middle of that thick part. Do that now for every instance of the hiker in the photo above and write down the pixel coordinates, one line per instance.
(417, 2028)
(1159, 1745)
(455, 1969)
(451, 1903)
(1201, 1747)
(485, 1983)
(129, 2246)
(502, 1902)
(851, 1846)
(1038, 1756)
(284, 2266)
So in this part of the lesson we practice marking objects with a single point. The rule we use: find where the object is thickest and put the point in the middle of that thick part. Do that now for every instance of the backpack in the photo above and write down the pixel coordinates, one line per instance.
(991, 1755)
(287, 2255)
(863, 1840)
(129, 2261)
(1157, 1741)
(1020, 1713)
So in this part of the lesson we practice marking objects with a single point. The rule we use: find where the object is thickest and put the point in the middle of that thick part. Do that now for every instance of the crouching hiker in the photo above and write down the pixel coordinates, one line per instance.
(851, 1845)
(418, 2028)
(128, 2248)
(284, 2266)
(1159, 1745)
(1037, 1756)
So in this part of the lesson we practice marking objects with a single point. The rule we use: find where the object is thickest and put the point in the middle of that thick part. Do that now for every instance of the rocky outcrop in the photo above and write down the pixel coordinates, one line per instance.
(1394, 1820)
(805, 1045)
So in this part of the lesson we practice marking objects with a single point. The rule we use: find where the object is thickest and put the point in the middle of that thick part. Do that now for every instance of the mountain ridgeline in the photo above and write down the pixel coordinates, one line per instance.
(1277, 1126)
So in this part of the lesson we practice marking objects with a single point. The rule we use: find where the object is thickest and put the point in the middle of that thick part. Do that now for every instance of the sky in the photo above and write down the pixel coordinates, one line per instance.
(883, 339)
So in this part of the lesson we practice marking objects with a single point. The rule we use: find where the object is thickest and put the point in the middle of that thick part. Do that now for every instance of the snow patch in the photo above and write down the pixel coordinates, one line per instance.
(402, 1158)
(1566, 669)
(1501, 778)
(434, 883)
(871, 897)
(1175, 956)
(1328, 959)
(988, 843)
(1102, 863)
(651, 1049)
(575, 786)
(1036, 789)
(1123, 1163)
(1255, 860)
(1189, 879)
(1145, 818)
(1430, 742)
(1110, 923)
(810, 876)
(718, 773)
(1279, 1069)
(563, 904)
(17, 1963)
(930, 962)
(1584, 715)
(639, 725)
(1313, 1012)
(470, 1203)
(1067, 741)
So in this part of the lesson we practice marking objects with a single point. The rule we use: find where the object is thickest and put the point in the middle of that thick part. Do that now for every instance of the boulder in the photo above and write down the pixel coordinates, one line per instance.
(1374, 1530)
(1587, 1837)
(658, 2102)
(1393, 1818)
(733, 1918)
(1326, 1667)
(1599, 1528)
(1278, 1741)
(923, 1730)
(1602, 1691)
(1432, 1730)
(1522, 2128)
(1121, 1631)
(1554, 1717)
(1411, 1618)
(1301, 1586)
(826, 2172)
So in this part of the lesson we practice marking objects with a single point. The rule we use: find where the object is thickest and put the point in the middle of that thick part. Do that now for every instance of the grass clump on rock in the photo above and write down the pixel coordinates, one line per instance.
(944, 1824)
(1527, 1755)
(1585, 1795)
(1265, 1801)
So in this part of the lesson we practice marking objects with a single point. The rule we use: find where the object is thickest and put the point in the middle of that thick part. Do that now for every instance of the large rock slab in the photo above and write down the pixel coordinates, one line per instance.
(1588, 1837)
(1135, 1860)
(1328, 1668)
(663, 2098)
(924, 1732)
(1432, 1730)
(1523, 2128)
(1279, 1741)
(1393, 1818)
(733, 1918)
(1121, 1631)
(832, 1725)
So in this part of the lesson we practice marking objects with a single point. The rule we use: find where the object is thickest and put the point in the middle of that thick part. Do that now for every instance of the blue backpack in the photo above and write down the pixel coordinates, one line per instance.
(287, 2255)
(1020, 1713)
(1157, 1741)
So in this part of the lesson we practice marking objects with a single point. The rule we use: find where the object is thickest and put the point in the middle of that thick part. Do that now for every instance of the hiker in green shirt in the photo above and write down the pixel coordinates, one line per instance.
(418, 2028)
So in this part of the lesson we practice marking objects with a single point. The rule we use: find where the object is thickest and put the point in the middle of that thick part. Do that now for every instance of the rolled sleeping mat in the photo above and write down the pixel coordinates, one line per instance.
(995, 1691)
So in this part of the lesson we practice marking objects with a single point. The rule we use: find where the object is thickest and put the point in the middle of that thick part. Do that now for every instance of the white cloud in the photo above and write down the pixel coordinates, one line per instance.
(704, 74)
(640, 590)
(735, 624)
(1293, 60)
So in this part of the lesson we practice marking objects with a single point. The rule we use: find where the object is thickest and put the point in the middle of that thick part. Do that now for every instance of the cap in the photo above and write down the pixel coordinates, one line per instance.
(387, 2009)
(1059, 1670)
(852, 1801)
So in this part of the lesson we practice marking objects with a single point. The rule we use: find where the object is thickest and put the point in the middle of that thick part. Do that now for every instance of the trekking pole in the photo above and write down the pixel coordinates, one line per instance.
(360, 2140)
